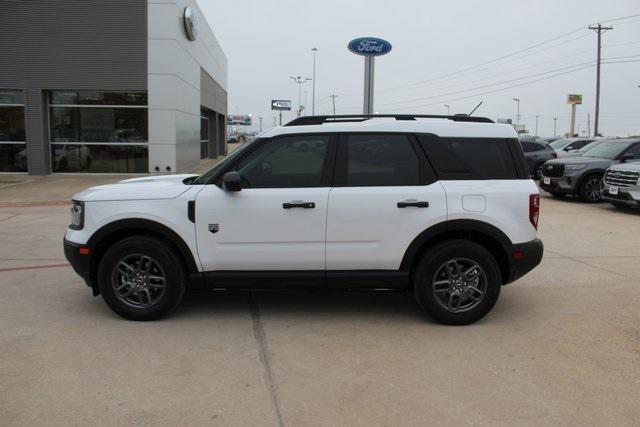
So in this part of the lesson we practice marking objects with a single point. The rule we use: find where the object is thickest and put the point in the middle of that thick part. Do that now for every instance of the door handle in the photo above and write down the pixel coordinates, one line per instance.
(413, 204)
(298, 204)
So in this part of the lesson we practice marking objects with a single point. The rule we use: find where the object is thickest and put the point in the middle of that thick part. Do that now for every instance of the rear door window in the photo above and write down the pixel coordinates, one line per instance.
(469, 158)
(381, 160)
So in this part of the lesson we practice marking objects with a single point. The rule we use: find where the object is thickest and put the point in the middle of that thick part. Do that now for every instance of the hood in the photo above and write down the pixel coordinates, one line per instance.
(144, 188)
(631, 166)
(580, 160)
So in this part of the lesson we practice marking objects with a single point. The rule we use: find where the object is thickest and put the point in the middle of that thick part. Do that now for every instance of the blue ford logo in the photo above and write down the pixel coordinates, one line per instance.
(369, 46)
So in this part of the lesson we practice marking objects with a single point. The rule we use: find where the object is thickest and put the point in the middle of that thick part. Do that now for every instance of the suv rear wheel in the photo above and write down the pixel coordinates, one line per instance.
(457, 282)
(590, 188)
(140, 278)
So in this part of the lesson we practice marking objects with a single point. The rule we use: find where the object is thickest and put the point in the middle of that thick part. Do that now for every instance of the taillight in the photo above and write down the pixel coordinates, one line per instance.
(534, 209)
(554, 155)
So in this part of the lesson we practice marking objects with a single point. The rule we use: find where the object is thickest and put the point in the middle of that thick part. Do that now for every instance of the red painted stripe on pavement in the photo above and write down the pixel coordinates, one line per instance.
(35, 204)
(34, 267)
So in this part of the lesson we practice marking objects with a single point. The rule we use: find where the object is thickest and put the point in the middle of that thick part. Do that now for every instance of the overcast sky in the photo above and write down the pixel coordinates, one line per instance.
(266, 41)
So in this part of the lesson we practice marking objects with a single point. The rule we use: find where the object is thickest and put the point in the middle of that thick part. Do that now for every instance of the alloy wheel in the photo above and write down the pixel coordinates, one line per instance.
(138, 281)
(592, 189)
(459, 285)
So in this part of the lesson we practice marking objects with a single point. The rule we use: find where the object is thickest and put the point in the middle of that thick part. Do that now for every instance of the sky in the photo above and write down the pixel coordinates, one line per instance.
(455, 53)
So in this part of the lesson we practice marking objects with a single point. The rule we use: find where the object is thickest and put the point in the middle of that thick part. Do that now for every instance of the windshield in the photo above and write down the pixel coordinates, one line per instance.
(208, 175)
(590, 145)
(608, 149)
(560, 143)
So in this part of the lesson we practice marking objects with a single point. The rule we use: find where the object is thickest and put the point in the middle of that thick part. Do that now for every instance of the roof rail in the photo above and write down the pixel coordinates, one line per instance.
(318, 120)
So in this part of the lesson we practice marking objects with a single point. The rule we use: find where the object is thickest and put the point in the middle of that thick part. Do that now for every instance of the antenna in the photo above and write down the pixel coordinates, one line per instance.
(472, 111)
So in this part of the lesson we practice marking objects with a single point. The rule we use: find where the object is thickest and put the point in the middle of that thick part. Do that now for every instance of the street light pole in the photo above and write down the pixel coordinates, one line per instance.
(537, 124)
(448, 109)
(555, 121)
(313, 93)
(300, 81)
(517, 111)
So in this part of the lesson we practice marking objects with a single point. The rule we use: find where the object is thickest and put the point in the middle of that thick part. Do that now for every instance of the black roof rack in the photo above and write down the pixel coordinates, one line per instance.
(318, 120)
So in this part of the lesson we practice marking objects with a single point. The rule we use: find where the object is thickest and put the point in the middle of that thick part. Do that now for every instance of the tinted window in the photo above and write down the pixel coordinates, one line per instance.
(579, 144)
(295, 161)
(381, 160)
(532, 146)
(635, 150)
(469, 158)
(608, 149)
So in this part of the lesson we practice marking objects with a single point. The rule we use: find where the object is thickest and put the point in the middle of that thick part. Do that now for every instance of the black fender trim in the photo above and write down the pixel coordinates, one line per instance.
(484, 233)
(141, 225)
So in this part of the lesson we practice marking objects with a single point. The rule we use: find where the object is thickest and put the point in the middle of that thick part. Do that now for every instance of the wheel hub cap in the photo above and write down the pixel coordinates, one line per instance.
(459, 285)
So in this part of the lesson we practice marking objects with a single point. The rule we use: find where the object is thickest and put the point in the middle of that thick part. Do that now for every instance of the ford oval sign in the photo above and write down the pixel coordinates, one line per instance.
(369, 46)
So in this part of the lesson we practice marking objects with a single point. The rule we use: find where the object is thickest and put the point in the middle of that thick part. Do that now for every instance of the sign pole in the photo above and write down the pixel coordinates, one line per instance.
(369, 66)
(573, 120)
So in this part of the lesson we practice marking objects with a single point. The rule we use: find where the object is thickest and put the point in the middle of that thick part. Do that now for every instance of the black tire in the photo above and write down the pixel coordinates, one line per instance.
(587, 192)
(429, 269)
(153, 303)
(537, 172)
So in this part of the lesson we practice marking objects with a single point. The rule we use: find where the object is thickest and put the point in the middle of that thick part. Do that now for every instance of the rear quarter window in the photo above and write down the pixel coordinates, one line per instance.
(470, 158)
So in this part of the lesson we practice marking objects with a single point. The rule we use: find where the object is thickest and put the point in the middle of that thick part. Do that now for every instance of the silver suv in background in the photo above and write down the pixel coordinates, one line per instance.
(622, 185)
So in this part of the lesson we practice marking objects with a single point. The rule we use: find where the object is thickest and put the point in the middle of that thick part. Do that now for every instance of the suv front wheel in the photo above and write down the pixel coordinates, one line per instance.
(591, 188)
(140, 278)
(457, 282)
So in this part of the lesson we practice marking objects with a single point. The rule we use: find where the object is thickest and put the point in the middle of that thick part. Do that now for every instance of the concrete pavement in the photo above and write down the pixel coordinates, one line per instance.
(561, 346)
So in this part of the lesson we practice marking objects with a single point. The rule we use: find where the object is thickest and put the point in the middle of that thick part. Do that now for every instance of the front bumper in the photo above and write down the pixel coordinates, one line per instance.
(81, 263)
(523, 257)
(629, 196)
(563, 184)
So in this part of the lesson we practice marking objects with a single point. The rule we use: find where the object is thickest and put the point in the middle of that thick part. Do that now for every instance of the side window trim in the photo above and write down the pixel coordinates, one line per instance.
(426, 174)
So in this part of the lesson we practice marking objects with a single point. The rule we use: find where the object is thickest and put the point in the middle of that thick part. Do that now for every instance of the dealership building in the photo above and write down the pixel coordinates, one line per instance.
(109, 86)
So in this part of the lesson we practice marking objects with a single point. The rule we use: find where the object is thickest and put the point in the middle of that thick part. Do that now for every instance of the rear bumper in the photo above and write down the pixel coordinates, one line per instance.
(80, 263)
(523, 257)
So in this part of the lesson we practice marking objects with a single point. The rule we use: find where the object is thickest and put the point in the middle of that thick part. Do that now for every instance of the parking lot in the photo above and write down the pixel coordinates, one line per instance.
(562, 346)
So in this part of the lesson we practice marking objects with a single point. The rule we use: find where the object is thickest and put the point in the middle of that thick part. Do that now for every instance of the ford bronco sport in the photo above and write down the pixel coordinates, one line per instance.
(440, 206)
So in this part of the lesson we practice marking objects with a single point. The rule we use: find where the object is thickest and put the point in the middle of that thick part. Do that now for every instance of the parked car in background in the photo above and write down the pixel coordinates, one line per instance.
(567, 145)
(580, 152)
(582, 175)
(536, 153)
(621, 185)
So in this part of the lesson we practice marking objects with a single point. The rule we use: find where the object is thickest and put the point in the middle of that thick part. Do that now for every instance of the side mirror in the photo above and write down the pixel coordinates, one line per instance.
(232, 181)
(626, 157)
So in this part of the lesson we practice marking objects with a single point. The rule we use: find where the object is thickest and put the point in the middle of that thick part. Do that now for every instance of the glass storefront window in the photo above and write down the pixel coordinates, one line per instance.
(13, 147)
(86, 124)
(11, 96)
(13, 157)
(96, 158)
(101, 132)
(87, 97)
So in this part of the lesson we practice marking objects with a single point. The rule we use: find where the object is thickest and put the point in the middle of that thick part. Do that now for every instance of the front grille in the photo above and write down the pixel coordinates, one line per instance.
(553, 170)
(621, 178)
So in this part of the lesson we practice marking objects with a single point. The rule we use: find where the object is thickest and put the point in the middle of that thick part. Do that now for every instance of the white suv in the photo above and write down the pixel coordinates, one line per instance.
(441, 206)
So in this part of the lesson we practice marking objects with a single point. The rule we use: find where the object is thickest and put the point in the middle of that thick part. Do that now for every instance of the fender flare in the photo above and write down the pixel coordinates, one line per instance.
(451, 227)
(140, 224)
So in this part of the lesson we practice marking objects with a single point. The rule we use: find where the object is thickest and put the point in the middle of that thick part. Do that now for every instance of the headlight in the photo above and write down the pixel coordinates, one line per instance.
(575, 167)
(77, 216)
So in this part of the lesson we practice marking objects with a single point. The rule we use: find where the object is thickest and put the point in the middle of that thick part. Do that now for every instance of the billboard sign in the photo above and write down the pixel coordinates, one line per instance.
(574, 99)
(239, 119)
(281, 104)
(369, 46)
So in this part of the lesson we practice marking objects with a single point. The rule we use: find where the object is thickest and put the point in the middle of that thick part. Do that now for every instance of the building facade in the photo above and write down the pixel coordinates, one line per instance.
(109, 86)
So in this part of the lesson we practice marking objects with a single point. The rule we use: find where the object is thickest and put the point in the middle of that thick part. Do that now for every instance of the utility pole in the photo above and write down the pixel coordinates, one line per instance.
(598, 29)
(588, 125)
(300, 81)
(537, 124)
(313, 94)
(333, 98)
(448, 109)
(555, 121)
(260, 124)
(517, 111)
